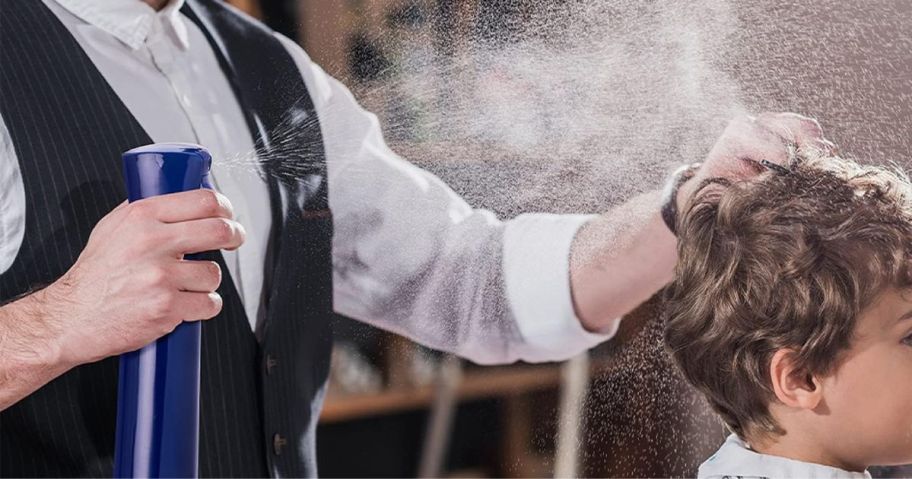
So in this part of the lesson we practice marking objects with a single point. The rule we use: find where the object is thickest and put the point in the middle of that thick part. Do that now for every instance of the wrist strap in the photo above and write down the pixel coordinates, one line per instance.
(670, 195)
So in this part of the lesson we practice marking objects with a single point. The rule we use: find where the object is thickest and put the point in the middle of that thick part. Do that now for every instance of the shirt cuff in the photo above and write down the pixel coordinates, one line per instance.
(537, 278)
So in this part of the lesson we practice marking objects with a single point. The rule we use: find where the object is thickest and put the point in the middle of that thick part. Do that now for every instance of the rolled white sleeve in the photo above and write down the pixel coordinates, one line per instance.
(412, 257)
(536, 273)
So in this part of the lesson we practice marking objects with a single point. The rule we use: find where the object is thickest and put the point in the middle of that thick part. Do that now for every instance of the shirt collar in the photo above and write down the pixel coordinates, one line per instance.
(735, 459)
(130, 21)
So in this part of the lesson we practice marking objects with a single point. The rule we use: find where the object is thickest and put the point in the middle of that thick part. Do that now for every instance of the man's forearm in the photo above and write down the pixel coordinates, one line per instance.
(29, 351)
(619, 260)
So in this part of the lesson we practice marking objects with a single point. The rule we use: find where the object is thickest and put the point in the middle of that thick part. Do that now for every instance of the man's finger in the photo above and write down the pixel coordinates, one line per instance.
(205, 235)
(199, 306)
(186, 206)
(793, 128)
(795, 122)
(746, 143)
(196, 276)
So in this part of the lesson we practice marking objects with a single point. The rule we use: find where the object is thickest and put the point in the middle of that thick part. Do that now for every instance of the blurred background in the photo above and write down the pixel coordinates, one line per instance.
(572, 106)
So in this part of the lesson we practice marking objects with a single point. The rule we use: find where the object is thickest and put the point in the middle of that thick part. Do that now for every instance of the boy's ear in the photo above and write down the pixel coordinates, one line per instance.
(793, 385)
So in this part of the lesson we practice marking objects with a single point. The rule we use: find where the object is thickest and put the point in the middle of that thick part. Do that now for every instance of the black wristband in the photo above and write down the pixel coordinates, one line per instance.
(670, 195)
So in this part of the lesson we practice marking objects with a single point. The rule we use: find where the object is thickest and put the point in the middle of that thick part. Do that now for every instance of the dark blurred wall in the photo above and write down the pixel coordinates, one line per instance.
(848, 63)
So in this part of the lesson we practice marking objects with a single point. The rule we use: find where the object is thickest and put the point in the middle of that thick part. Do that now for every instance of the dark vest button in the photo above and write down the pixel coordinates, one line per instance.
(271, 362)
(278, 442)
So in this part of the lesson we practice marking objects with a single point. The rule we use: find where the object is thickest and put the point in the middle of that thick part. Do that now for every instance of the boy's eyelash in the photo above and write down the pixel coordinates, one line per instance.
(908, 340)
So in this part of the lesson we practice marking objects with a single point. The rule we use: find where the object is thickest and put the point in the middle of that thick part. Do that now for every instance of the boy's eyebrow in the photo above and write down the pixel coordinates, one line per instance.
(906, 316)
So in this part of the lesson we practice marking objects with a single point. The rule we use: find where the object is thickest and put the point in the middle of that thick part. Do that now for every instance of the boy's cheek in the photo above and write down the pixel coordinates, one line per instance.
(904, 416)
(897, 449)
(870, 399)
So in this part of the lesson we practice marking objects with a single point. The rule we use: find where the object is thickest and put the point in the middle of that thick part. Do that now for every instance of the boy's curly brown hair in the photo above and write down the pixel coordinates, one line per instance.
(786, 260)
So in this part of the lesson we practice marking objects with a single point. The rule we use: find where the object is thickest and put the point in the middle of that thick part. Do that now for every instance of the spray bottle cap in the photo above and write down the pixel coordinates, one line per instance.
(163, 168)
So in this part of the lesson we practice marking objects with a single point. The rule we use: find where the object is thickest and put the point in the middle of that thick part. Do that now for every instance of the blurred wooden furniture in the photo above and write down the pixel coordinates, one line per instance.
(495, 381)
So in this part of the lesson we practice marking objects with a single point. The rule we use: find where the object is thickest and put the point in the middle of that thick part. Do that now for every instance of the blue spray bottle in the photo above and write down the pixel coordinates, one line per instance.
(158, 392)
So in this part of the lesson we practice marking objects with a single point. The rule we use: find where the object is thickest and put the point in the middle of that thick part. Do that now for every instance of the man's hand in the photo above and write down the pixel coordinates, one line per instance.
(748, 140)
(129, 287)
(622, 258)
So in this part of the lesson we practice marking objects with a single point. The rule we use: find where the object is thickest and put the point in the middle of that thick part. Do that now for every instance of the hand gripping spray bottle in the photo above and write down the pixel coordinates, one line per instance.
(158, 393)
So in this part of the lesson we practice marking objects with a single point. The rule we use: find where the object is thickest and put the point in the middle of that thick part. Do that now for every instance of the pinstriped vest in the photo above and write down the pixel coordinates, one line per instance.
(259, 401)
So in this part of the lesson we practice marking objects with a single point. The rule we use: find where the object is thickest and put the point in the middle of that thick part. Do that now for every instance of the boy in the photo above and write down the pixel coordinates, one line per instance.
(791, 311)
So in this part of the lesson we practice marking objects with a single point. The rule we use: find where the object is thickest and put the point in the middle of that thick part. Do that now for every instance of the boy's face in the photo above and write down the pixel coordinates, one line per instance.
(869, 396)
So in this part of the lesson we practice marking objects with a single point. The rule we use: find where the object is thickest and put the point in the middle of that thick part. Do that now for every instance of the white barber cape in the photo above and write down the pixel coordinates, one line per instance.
(735, 460)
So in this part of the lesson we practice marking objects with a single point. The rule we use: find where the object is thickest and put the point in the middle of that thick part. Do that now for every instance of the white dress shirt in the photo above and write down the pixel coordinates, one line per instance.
(736, 459)
(409, 255)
